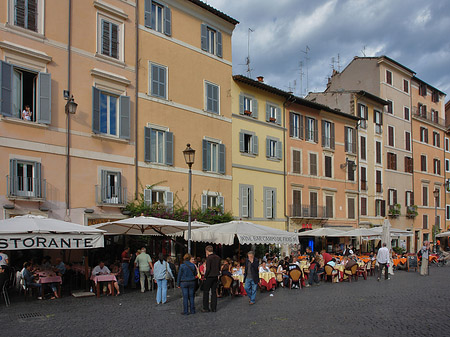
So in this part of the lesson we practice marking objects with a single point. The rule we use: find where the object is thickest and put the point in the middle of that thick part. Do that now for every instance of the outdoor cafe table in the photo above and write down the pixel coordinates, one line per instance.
(47, 277)
(267, 279)
(400, 260)
(104, 278)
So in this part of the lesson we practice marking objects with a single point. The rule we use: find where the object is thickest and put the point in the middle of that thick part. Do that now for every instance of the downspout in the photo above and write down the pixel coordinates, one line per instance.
(69, 62)
(412, 245)
(284, 162)
(136, 67)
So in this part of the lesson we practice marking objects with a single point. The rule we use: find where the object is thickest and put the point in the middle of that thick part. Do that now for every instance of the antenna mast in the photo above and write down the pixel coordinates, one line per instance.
(306, 63)
(247, 61)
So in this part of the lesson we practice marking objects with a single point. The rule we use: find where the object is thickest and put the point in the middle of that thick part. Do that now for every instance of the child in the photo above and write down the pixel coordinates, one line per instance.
(26, 114)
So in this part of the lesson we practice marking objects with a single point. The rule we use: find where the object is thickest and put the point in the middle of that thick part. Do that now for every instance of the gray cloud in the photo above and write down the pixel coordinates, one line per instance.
(413, 32)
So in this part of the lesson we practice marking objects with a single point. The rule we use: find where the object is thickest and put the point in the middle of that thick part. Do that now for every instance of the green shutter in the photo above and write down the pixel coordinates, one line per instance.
(147, 135)
(167, 21)
(300, 117)
(37, 180)
(219, 44)
(104, 185)
(254, 108)
(148, 13)
(204, 202)
(278, 111)
(255, 145)
(124, 127)
(204, 37)
(12, 176)
(222, 158)
(316, 131)
(45, 103)
(206, 162)
(267, 147)
(279, 150)
(291, 124)
(332, 142)
(244, 198)
(241, 104)
(95, 110)
(241, 142)
(6, 100)
(267, 112)
(169, 148)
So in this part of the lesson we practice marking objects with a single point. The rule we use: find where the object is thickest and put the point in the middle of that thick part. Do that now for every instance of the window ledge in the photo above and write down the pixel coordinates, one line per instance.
(22, 122)
(110, 59)
(23, 198)
(24, 31)
(158, 164)
(27, 52)
(103, 136)
(328, 149)
(350, 154)
(111, 205)
(273, 159)
(248, 154)
(212, 113)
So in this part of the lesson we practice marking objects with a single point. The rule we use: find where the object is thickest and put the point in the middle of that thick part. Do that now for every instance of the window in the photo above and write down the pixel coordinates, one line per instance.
(110, 39)
(212, 102)
(391, 136)
(447, 212)
(213, 157)
(436, 139)
(25, 180)
(111, 114)
(422, 110)
(363, 113)
(246, 198)
(407, 141)
(211, 40)
(363, 206)
(313, 204)
(437, 166)
(447, 183)
(391, 161)
(434, 115)
(378, 120)
(425, 221)
(409, 197)
(248, 142)
(388, 77)
(25, 94)
(363, 178)
(380, 208)
(311, 130)
(212, 200)
(296, 203)
(328, 166)
(158, 81)
(362, 147)
(423, 163)
(409, 165)
(406, 113)
(158, 17)
(248, 105)
(328, 135)
(274, 148)
(378, 182)
(424, 195)
(296, 161)
(295, 125)
(423, 134)
(313, 164)
(389, 107)
(437, 200)
(26, 14)
(270, 202)
(406, 86)
(350, 140)
(423, 89)
(351, 167)
(435, 96)
(158, 197)
(351, 208)
(447, 144)
(329, 209)
(273, 114)
(158, 146)
(392, 197)
(378, 152)
(111, 191)
(447, 165)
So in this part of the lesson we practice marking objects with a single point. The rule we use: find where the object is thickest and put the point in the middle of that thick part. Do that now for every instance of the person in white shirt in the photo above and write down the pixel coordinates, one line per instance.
(383, 261)
(101, 269)
(4, 260)
(263, 268)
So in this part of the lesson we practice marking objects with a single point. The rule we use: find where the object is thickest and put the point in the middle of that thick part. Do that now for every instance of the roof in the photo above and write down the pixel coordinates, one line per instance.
(382, 57)
(360, 92)
(289, 96)
(428, 85)
(215, 11)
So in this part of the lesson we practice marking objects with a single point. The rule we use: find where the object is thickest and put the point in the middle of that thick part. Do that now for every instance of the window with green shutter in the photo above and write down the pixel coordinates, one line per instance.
(110, 39)
(26, 14)
(212, 99)
(158, 146)
(211, 40)
(158, 80)
(213, 157)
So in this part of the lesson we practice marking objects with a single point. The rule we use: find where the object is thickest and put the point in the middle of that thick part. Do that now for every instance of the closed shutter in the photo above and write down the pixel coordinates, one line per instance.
(95, 110)
(313, 164)
(438, 163)
(363, 148)
(169, 201)
(408, 141)
(296, 167)
(378, 152)
(254, 108)
(204, 37)
(255, 145)
(395, 196)
(438, 139)
(221, 202)
(351, 208)
(291, 124)
(332, 142)
(45, 103)
(278, 111)
(37, 180)
(106, 36)
(351, 172)
(306, 129)
(425, 195)
(383, 208)
(205, 149)
(313, 204)
(323, 133)
(169, 148)
(32, 15)
(423, 163)
(328, 167)
(360, 110)
(147, 197)
(279, 150)
(267, 147)
(316, 131)
(391, 136)
(167, 21)
(104, 185)
(346, 138)
(363, 206)
(12, 177)
(114, 41)
(222, 158)
(124, 103)
(241, 142)
(147, 140)
(204, 202)
(267, 112)
(300, 118)
(19, 17)
(269, 203)
(241, 104)
(244, 202)
(353, 140)
(6, 101)
(219, 44)
(426, 136)
(148, 13)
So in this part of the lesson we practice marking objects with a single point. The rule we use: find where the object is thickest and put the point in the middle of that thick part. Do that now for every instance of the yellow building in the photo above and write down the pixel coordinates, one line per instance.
(258, 152)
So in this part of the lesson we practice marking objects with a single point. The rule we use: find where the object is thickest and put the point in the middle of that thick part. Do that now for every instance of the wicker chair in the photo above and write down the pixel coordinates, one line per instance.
(330, 272)
(295, 276)
(352, 273)
(226, 283)
(362, 271)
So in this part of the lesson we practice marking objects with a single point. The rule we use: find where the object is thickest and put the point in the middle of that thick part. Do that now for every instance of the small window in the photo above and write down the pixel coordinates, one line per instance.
(363, 206)
(422, 110)
(246, 198)
(423, 163)
(392, 197)
(157, 17)
(378, 152)
(434, 115)
(351, 168)
(110, 39)
(329, 207)
(328, 135)
(158, 81)
(380, 208)
(111, 191)
(423, 135)
(423, 89)
(158, 146)
(213, 157)
(391, 161)
(158, 197)
(389, 107)
(328, 167)
(26, 14)
(25, 180)
(295, 125)
(313, 164)
(437, 166)
(409, 165)
(363, 178)
(391, 136)
(248, 143)
(363, 113)
(311, 129)
(212, 201)
(248, 105)
(212, 98)
(378, 182)
(274, 148)
(211, 40)
(406, 113)
(406, 86)
(388, 77)
(363, 149)
(447, 145)
(447, 165)
(270, 200)
(350, 140)
(407, 141)
(296, 161)
(435, 96)
(273, 114)
(351, 208)
(424, 195)
(409, 198)
(313, 207)
(447, 212)
(296, 203)
(436, 139)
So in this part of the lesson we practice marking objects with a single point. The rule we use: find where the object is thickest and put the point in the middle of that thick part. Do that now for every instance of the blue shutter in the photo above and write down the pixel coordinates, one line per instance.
(204, 202)
(6, 101)
(148, 13)
(167, 21)
(45, 102)
(300, 118)
(254, 108)
(279, 150)
(241, 104)
(241, 142)
(278, 116)
(124, 106)
(267, 112)
(204, 37)
(206, 163)
(169, 201)
(147, 197)
(219, 44)
(267, 147)
(255, 145)
(104, 185)
(95, 110)
(147, 134)
(169, 148)
(222, 158)
(12, 176)
(37, 180)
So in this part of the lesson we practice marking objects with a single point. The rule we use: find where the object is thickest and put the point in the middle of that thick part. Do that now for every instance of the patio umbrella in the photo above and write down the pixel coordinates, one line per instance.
(246, 232)
(393, 231)
(440, 235)
(325, 231)
(355, 232)
(38, 232)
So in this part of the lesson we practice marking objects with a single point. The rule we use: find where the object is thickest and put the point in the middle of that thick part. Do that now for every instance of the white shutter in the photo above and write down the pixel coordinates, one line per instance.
(169, 201)
(269, 203)
(204, 202)
(147, 197)
(244, 202)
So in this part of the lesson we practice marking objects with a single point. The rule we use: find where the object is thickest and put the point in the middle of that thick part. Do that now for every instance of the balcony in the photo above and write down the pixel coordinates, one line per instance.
(26, 188)
(110, 196)
(308, 211)
(432, 116)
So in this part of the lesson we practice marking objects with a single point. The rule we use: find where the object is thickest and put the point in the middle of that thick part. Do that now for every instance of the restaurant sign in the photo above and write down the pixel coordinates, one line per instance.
(268, 239)
(50, 241)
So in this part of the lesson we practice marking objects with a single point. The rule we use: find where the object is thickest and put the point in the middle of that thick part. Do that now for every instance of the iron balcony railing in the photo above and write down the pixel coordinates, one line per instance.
(308, 211)
(18, 187)
(110, 195)
(432, 116)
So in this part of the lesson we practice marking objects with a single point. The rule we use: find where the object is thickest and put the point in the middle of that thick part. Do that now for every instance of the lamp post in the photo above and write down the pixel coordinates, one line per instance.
(189, 157)
(70, 109)
(436, 196)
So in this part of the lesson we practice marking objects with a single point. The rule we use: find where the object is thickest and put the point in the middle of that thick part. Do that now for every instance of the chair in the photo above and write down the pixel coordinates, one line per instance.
(226, 283)
(362, 271)
(352, 273)
(369, 268)
(273, 269)
(295, 276)
(330, 272)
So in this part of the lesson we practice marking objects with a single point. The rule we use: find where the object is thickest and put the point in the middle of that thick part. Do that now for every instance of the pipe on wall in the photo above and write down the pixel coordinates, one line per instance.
(69, 61)
(136, 143)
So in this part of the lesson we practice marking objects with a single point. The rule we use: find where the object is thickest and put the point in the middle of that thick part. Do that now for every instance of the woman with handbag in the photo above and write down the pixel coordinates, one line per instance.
(162, 273)
(186, 281)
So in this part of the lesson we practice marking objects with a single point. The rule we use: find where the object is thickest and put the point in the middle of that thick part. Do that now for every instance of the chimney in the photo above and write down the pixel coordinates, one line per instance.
(260, 79)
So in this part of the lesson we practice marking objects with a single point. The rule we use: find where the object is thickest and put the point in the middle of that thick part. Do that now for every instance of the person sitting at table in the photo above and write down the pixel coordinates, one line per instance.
(101, 269)
(30, 279)
(283, 270)
(350, 263)
(332, 262)
(263, 268)
(60, 267)
(326, 257)
(46, 263)
(292, 266)
(225, 269)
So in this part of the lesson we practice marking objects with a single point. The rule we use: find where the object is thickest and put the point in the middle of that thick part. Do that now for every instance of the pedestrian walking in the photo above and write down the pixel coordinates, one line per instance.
(251, 276)
(162, 273)
(383, 261)
(211, 277)
(425, 255)
(144, 263)
(186, 281)
(126, 265)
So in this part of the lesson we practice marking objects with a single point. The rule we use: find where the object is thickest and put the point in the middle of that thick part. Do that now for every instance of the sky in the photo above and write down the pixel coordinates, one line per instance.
(291, 37)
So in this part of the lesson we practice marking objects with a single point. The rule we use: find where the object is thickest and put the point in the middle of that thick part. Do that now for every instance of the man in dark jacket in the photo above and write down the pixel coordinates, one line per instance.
(251, 276)
(212, 272)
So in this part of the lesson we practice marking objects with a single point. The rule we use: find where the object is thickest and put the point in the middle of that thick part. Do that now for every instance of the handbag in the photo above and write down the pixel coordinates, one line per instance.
(168, 276)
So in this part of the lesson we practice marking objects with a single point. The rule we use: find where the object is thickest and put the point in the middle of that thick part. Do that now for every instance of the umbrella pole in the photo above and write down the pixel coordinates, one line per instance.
(86, 270)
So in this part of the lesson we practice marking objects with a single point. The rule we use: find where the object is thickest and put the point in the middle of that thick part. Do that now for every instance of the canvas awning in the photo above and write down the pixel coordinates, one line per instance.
(443, 234)
(325, 231)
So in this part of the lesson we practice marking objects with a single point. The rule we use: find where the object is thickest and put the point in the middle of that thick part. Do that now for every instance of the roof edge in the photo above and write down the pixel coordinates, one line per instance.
(215, 11)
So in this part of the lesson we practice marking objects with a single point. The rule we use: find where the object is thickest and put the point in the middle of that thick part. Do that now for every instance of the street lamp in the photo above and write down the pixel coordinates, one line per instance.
(189, 157)
(71, 106)
(436, 196)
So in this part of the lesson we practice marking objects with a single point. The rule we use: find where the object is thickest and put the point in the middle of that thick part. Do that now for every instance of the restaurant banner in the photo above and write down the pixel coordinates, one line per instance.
(268, 239)
(50, 241)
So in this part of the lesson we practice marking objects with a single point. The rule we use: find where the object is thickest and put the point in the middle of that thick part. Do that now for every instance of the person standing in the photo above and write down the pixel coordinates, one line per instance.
(383, 261)
(251, 276)
(186, 281)
(425, 256)
(160, 270)
(144, 262)
(211, 277)
(126, 265)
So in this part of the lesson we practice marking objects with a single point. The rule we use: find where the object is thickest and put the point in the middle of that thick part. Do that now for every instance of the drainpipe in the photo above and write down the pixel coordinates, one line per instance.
(136, 67)
(69, 62)
(290, 97)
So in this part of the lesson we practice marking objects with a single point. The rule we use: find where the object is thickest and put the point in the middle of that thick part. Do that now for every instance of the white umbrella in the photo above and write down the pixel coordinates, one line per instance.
(247, 233)
(325, 231)
(355, 232)
(393, 231)
(146, 225)
(38, 232)
(440, 235)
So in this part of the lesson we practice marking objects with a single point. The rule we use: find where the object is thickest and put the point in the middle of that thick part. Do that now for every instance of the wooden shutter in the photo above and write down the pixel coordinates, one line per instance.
(313, 164)
(313, 203)
(351, 208)
(383, 208)
(169, 201)
(204, 37)
(328, 171)
(426, 136)
(296, 166)
(363, 148)
(114, 40)
(95, 110)
(316, 131)
(6, 80)
(351, 173)
(219, 44)
(323, 133)
(267, 112)
(254, 103)
(244, 200)
(148, 13)
(307, 131)
(32, 15)
(206, 162)
(346, 138)
(425, 195)
(363, 206)
(222, 158)
(124, 106)
(378, 152)
(300, 118)
(255, 144)
(167, 21)
(19, 17)
(147, 197)
(408, 141)
(241, 104)
(37, 180)
(332, 142)
(279, 150)
(169, 148)
(291, 124)
(329, 206)
(147, 140)
(106, 36)
(391, 136)
(241, 142)
(423, 163)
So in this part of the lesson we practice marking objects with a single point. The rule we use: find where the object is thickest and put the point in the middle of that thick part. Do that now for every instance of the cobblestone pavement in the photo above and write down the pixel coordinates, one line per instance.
(406, 305)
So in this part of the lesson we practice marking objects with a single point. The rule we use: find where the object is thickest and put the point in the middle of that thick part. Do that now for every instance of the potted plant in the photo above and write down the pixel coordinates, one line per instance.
(247, 112)
(272, 119)
(394, 211)
(411, 211)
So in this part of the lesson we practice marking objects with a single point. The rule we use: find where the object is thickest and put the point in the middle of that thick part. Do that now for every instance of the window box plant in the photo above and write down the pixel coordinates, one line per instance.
(394, 211)
(247, 112)
(411, 211)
